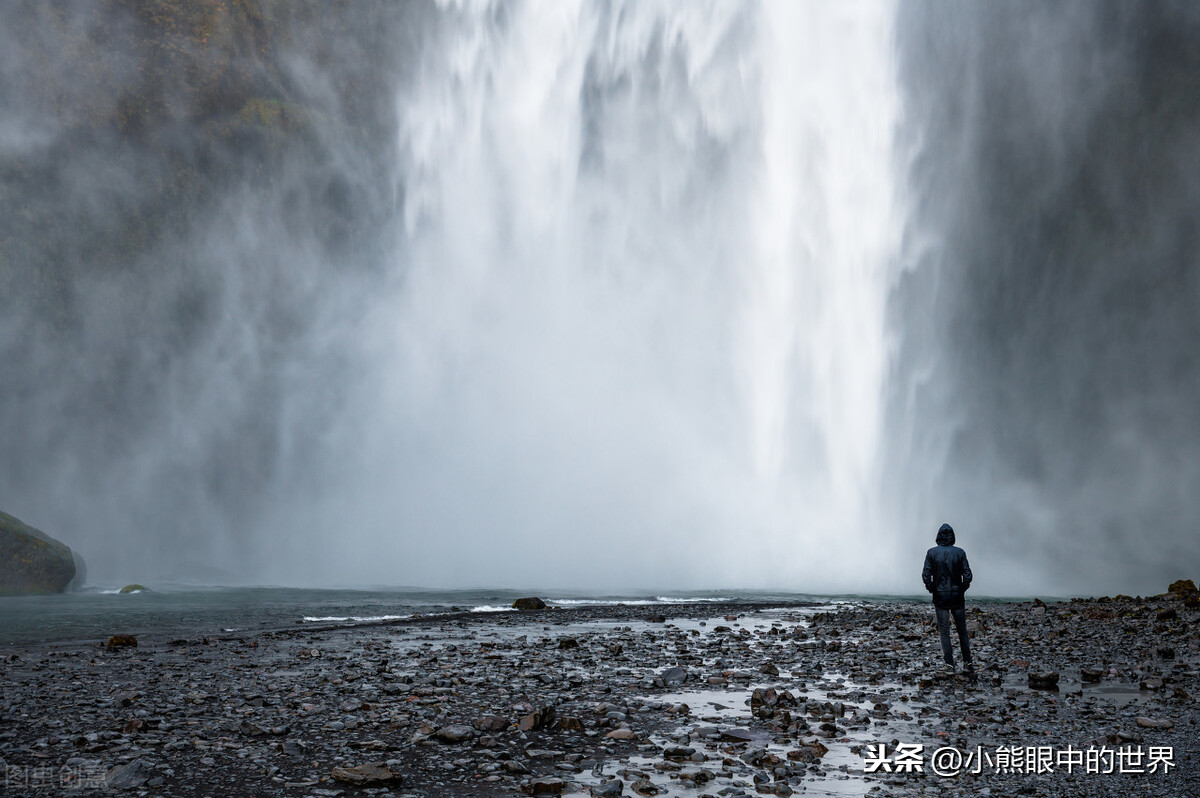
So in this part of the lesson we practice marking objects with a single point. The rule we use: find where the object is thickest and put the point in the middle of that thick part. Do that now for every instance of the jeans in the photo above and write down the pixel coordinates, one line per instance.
(960, 624)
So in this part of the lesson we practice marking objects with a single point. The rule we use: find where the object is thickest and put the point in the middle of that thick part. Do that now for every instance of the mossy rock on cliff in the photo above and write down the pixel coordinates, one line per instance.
(32, 562)
(1182, 588)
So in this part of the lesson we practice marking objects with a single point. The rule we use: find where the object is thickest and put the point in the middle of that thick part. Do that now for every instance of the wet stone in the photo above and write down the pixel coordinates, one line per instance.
(678, 751)
(209, 714)
(545, 785)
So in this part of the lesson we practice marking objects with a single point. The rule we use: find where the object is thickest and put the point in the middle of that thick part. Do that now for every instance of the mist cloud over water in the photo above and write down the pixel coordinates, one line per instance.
(602, 295)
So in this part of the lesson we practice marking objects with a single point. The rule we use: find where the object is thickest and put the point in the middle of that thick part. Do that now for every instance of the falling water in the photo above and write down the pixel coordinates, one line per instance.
(603, 295)
(637, 332)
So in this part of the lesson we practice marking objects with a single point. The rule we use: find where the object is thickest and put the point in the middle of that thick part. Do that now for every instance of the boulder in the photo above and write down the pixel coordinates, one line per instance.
(1043, 680)
(529, 603)
(134, 588)
(32, 562)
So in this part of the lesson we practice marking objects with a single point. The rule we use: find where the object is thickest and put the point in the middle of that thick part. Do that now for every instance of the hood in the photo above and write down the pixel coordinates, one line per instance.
(945, 535)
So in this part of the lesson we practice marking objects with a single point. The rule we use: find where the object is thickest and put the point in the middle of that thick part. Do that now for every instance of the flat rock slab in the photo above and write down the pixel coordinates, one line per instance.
(1155, 723)
(364, 775)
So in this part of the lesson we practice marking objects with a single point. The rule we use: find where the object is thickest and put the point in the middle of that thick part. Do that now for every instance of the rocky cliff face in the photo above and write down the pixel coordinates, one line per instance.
(170, 166)
(32, 562)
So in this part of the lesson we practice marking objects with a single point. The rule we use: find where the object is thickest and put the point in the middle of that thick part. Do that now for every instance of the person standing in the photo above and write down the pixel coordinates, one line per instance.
(947, 575)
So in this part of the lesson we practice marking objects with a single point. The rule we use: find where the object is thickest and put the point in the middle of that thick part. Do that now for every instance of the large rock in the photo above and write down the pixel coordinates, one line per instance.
(32, 562)
(529, 603)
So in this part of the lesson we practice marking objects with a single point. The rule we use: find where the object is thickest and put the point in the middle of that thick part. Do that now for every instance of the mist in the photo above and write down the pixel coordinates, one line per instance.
(602, 296)
(1050, 291)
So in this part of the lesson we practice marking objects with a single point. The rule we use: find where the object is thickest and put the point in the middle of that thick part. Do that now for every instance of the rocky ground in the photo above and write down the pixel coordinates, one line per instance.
(710, 700)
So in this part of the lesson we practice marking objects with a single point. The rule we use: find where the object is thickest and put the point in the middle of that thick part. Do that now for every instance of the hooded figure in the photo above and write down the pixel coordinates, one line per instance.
(947, 575)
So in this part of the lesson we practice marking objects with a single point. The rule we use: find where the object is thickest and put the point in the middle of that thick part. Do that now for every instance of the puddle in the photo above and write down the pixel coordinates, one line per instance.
(1119, 693)
(718, 714)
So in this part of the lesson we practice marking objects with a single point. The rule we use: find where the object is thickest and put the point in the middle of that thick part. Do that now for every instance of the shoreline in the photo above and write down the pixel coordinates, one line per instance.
(784, 698)
(92, 615)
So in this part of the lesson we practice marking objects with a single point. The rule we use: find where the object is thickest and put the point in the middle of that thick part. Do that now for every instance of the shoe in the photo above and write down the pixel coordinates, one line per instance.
(948, 668)
(969, 668)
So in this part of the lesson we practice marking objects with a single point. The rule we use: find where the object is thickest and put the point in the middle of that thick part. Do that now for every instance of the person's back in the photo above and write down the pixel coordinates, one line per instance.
(947, 575)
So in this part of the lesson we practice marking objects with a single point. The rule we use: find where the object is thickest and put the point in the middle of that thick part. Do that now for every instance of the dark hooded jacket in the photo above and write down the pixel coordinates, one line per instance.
(946, 574)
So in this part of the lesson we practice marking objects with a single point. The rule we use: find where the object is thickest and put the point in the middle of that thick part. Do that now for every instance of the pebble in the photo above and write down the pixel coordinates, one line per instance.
(775, 700)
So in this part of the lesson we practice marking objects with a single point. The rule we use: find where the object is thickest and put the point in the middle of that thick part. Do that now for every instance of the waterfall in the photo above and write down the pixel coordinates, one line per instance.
(605, 294)
(637, 323)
